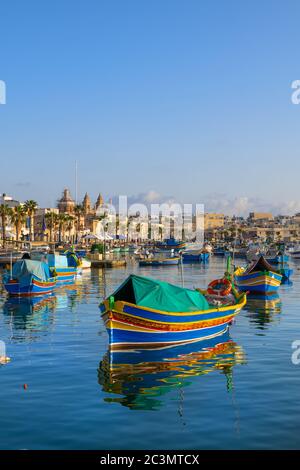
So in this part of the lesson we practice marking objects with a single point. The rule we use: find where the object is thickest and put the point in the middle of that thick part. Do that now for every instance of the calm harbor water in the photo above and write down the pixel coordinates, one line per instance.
(241, 392)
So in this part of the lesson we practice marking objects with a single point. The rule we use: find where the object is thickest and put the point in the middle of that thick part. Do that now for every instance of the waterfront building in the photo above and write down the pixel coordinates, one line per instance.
(213, 220)
(255, 216)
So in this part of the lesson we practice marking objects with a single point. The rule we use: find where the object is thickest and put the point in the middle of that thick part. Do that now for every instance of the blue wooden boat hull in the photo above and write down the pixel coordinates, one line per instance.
(117, 336)
(278, 259)
(286, 274)
(34, 287)
(199, 258)
(65, 275)
(259, 282)
(136, 325)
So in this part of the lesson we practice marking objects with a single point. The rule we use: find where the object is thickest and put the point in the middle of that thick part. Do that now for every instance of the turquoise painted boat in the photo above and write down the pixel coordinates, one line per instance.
(63, 267)
(144, 311)
(29, 278)
(259, 277)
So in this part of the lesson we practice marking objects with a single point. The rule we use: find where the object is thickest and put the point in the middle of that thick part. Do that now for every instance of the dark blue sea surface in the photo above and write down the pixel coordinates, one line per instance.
(62, 390)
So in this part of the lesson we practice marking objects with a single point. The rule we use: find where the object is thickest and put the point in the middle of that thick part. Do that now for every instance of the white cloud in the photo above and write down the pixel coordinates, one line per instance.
(219, 202)
(242, 205)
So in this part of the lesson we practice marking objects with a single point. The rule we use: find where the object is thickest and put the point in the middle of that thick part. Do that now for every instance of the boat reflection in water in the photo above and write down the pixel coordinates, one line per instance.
(142, 376)
(34, 314)
(263, 309)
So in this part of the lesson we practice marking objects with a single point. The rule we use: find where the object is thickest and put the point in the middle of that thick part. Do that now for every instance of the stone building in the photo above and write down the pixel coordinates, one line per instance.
(87, 205)
(66, 204)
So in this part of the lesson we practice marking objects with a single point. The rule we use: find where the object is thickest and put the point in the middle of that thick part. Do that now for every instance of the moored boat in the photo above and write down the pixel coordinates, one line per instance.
(28, 278)
(192, 256)
(171, 244)
(259, 277)
(294, 252)
(146, 312)
(63, 267)
(172, 261)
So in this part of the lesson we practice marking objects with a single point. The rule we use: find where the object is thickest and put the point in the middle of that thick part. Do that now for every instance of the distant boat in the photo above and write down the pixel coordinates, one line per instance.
(159, 261)
(219, 251)
(259, 277)
(144, 312)
(28, 278)
(195, 256)
(171, 244)
(276, 258)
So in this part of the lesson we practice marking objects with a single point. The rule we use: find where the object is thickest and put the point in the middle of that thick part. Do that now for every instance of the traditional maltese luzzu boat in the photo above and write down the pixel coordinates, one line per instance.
(259, 277)
(145, 312)
(29, 278)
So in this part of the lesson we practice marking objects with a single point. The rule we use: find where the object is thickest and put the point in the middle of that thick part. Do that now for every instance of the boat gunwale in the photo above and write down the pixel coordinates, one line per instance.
(233, 314)
(240, 305)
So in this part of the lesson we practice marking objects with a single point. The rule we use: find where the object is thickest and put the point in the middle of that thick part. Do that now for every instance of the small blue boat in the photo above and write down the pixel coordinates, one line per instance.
(278, 259)
(259, 277)
(219, 251)
(190, 257)
(29, 278)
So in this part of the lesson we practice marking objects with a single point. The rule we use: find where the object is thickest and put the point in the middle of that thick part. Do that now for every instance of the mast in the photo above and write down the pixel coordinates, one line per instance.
(76, 183)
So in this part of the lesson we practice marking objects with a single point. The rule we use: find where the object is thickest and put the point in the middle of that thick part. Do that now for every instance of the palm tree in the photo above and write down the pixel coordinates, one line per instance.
(105, 229)
(160, 231)
(30, 207)
(138, 230)
(18, 218)
(78, 211)
(5, 213)
(69, 224)
(51, 222)
(117, 225)
(62, 220)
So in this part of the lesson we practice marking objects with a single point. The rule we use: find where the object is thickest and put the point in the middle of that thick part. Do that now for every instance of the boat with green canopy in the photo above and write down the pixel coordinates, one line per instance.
(146, 312)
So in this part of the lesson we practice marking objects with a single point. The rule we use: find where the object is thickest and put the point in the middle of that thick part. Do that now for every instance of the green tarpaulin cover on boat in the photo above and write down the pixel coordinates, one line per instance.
(160, 295)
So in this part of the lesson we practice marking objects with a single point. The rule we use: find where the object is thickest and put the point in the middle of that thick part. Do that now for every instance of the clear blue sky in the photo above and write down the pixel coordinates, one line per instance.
(189, 98)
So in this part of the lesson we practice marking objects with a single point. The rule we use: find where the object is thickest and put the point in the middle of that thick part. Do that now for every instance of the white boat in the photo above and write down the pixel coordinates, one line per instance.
(84, 265)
